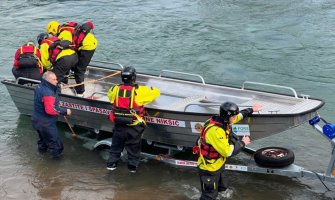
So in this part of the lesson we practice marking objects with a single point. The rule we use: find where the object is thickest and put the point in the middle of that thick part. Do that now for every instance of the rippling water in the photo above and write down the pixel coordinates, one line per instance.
(287, 42)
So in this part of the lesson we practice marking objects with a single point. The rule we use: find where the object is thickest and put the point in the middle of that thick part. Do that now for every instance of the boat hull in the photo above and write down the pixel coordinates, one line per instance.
(164, 126)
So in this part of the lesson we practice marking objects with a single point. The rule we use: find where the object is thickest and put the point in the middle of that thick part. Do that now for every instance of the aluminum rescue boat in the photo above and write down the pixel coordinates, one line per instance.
(176, 117)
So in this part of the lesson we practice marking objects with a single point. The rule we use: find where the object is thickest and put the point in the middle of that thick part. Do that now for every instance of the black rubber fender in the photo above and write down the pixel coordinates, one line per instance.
(274, 157)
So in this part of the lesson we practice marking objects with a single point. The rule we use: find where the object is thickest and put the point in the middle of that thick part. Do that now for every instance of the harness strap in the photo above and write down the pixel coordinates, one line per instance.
(117, 97)
(210, 152)
(132, 111)
(139, 120)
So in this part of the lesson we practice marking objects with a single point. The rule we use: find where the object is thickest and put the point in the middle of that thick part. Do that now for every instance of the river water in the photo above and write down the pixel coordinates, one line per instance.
(287, 42)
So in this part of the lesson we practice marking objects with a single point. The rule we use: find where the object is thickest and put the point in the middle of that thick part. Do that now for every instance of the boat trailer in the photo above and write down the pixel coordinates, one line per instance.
(249, 164)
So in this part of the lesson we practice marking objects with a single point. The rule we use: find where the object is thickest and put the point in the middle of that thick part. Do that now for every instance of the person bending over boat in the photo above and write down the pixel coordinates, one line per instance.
(27, 63)
(215, 144)
(82, 41)
(45, 114)
(128, 101)
(57, 56)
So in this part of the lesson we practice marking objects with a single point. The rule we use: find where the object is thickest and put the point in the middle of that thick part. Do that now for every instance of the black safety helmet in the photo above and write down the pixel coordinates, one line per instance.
(128, 74)
(41, 37)
(227, 110)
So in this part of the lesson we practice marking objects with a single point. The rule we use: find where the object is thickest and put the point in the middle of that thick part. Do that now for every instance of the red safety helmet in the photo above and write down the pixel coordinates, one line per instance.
(90, 24)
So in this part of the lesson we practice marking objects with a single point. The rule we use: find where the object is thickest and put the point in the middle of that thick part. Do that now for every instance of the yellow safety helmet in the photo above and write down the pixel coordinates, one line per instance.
(52, 28)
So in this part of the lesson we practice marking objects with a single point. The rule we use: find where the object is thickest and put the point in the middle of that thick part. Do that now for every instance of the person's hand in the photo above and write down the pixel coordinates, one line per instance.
(68, 112)
(246, 140)
(257, 107)
(61, 85)
(64, 44)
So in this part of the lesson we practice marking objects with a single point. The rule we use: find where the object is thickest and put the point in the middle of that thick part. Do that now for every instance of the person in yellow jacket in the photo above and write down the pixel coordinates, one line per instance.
(216, 144)
(128, 100)
(82, 41)
(56, 56)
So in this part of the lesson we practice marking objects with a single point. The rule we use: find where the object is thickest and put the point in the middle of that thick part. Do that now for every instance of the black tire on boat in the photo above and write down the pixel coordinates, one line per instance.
(274, 157)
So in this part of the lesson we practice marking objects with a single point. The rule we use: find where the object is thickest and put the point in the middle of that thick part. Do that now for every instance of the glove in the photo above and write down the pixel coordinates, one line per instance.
(61, 44)
(238, 144)
(54, 45)
(64, 44)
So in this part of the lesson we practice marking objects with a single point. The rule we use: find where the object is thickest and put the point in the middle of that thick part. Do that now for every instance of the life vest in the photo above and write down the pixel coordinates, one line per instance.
(78, 33)
(68, 26)
(53, 50)
(206, 149)
(78, 36)
(125, 110)
(28, 57)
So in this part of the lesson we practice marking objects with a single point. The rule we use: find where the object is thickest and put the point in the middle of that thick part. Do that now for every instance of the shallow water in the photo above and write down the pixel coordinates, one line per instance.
(284, 42)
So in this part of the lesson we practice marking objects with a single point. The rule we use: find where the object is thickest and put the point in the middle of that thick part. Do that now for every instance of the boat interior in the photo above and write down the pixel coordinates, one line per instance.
(197, 96)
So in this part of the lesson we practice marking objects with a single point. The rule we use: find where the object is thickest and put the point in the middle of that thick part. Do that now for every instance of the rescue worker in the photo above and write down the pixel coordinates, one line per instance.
(27, 63)
(57, 56)
(45, 114)
(216, 144)
(82, 41)
(128, 101)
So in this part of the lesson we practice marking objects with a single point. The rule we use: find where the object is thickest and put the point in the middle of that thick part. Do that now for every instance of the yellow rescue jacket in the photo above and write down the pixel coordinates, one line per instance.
(218, 138)
(45, 59)
(88, 43)
(65, 35)
(143, 94)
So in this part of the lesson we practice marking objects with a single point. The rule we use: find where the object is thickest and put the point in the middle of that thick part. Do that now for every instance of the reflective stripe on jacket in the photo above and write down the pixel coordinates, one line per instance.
(52, 50)
(143, 95)
(218, 138)
(68, 26)
(67, 30)
(32, 51)
(80, 40)
(125, 99)
(56, 53)
(207, 150)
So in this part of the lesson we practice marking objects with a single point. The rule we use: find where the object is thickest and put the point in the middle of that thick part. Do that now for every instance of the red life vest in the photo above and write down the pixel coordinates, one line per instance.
(80, 33)
(29, 57)
(68, 26)
(124, 104)
(53, 50)
(208, 150)
(78, 37)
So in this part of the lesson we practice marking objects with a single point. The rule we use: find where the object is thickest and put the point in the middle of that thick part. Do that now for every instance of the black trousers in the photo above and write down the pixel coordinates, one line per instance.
(48, 137)
(212, 183)
(127, 137)
(63, 65)
(32, 73)
(84, 57)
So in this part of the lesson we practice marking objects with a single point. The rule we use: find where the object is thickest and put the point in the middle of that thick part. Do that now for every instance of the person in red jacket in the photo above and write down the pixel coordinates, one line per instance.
(27, 63)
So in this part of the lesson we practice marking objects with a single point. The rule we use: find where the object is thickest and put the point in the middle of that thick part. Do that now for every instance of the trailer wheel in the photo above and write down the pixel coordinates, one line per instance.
(274, 157)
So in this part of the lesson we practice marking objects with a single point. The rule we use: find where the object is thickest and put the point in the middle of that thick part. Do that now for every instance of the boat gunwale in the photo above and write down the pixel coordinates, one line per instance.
(197, 82)
(322, 102)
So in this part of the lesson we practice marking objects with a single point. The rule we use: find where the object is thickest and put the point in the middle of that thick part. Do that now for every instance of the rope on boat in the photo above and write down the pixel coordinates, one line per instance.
(91, 81)
(74, 135)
